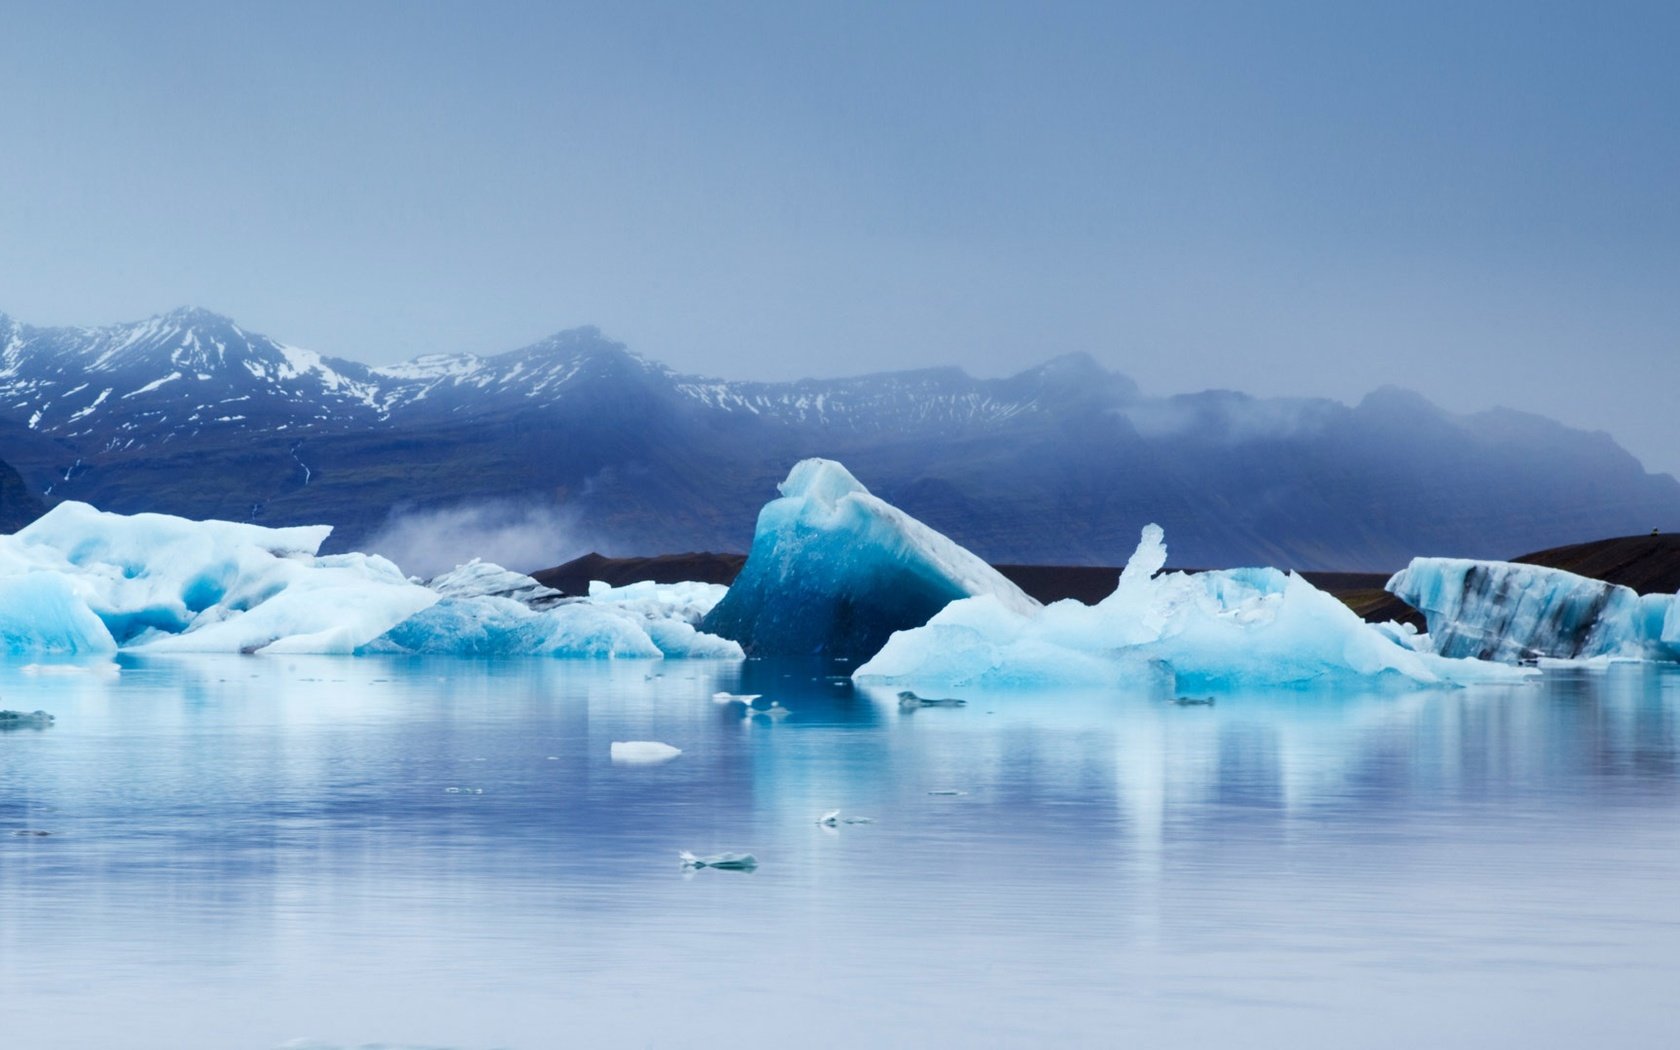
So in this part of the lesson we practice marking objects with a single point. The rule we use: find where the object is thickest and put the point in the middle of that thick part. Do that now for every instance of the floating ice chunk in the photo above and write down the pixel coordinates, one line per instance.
(1174, 632)
(775, 712)
(1513, 612)
(735, 698)
(835, 570)
(25, 720)
(833, 819)
(643, 752)
(721, 861)
(482, 579)
(909, 701)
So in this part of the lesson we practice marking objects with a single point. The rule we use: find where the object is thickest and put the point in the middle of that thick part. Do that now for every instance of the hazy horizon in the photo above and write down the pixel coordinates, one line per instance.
(1295, 200)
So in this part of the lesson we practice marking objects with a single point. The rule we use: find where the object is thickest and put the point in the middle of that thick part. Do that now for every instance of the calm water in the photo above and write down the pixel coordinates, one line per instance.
(255, 852)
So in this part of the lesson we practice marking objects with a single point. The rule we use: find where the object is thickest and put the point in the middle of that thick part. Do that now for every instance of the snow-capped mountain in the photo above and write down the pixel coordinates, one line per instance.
(190, 371)
(192, 414)
(169, 376)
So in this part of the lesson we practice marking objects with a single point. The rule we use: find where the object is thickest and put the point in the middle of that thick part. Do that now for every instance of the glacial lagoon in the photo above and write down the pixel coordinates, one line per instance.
(267, 851)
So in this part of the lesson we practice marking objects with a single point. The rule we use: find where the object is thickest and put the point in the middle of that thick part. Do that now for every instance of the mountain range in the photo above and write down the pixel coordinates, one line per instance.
(189, 413)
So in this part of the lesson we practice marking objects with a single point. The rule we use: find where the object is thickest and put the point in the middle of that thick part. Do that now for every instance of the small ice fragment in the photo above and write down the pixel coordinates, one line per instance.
(451, 791)
(735, 698)
(643, 752)
(554, 758)
(25, 720)
(947, 791)
(720, 861)
(909, 701)
(775, 712)
(829, 819)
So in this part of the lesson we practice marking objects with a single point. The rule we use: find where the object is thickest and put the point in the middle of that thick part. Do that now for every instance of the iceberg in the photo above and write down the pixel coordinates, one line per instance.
(1512, 612)
(835, 570)
(638, 621)
(1176, 632)
(81, 581)
(483, 579)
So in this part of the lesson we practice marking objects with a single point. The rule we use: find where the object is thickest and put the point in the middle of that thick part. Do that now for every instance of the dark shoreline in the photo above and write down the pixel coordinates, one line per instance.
(1648, 564)
(1048, 583)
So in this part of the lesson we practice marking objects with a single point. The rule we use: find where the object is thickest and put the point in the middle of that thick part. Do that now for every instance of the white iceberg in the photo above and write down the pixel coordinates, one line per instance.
(155, 582)
(642, 752)
(835, 571)
(483, 579)
(640, 621)
(1513, 612)
(82, 581)
(1178, 631)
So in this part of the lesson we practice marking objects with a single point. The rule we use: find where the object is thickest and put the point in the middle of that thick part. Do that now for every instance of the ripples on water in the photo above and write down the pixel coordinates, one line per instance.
(254, 852)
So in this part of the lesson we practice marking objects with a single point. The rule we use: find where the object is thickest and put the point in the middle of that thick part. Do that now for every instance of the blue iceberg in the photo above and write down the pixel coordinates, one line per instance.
(1166, 633)
(1513, 613)
(835, 570)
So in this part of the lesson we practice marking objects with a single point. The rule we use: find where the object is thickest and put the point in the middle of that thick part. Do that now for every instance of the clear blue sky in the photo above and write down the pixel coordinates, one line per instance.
(1477, 200)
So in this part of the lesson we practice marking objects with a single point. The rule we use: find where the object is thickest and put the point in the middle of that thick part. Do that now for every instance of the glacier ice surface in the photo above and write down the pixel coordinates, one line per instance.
(834, 570)
(1205, 631)
(1512, 612)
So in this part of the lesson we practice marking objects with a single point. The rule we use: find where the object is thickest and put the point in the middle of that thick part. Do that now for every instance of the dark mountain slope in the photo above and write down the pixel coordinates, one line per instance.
(1064, 463)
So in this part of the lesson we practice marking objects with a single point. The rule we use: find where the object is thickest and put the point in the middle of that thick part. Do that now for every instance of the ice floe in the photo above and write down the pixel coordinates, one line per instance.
(642, 752)
(834, 570)
(1171, 632)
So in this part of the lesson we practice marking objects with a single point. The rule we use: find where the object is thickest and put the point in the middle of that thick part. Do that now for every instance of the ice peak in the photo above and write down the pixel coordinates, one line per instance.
(821, 480)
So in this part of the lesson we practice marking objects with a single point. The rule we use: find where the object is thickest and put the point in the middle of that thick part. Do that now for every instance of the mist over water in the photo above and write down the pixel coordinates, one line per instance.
(250, 852)
(524, 537)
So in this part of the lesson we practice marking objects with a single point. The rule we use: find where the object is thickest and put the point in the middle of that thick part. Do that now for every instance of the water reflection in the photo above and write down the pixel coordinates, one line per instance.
(259, 842)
